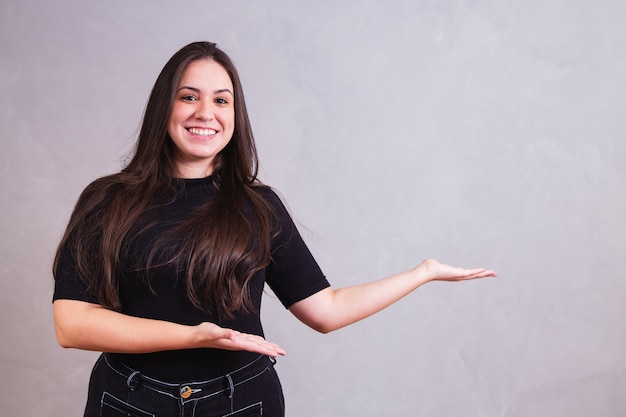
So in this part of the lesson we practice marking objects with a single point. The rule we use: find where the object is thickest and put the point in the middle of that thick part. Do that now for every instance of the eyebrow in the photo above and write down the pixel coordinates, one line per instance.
(197, 90)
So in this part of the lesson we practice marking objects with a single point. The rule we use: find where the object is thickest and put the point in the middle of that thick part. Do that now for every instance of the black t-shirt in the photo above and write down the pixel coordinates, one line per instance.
(293, 275)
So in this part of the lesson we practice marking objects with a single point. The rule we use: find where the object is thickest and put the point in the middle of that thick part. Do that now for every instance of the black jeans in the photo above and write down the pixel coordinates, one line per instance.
(116, 390)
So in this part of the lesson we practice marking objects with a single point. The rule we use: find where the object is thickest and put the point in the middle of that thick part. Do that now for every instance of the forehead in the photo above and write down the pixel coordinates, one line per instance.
(205, 74)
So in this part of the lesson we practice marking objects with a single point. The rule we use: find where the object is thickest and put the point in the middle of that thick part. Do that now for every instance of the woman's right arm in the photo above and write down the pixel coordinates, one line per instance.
(88, 326)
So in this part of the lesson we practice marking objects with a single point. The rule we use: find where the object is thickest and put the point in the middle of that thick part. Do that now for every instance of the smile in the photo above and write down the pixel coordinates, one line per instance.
(201, 132)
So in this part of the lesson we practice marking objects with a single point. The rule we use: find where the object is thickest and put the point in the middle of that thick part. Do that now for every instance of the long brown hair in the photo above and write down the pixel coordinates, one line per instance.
(219, 262)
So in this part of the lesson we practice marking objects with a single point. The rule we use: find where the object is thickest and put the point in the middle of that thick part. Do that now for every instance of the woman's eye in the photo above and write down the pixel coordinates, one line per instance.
(221, 100)
(189, 97)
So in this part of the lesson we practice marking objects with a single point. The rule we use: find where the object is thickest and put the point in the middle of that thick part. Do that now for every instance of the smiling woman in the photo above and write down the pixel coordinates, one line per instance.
(203, 118)
(163, 265)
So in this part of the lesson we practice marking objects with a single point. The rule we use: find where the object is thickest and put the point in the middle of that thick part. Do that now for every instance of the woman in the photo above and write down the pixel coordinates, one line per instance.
(162, 265)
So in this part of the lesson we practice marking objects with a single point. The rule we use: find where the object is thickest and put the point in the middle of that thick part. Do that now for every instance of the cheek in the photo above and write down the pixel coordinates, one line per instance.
(231, 118)
(227, 120)
(177, 117)
(171, 121)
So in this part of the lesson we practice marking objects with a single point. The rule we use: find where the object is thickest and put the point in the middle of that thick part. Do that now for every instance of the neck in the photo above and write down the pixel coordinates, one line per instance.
(191, 170)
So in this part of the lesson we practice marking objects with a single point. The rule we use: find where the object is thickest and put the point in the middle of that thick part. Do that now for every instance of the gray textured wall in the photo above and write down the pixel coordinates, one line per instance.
(478, 132)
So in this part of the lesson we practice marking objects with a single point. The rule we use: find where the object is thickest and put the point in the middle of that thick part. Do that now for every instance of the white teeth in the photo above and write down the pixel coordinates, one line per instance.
(202, 132)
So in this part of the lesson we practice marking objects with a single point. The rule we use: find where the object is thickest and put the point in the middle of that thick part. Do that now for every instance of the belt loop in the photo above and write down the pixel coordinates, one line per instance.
(129, 381)
(231, 386)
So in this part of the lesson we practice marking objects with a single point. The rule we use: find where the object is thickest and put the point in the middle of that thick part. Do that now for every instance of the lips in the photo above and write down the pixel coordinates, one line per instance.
(201, 132)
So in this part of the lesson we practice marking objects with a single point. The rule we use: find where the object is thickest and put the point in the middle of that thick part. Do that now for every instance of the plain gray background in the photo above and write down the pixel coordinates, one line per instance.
(482, 133)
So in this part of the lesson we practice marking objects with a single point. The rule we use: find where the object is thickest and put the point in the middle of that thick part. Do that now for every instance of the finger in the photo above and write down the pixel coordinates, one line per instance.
(486, 272)
(273, 347)
(474, 271)
(265, 349)
(255, 343)
(270, 349)
(222, 333)
(214, 330)
(469, 275)
(483, 274)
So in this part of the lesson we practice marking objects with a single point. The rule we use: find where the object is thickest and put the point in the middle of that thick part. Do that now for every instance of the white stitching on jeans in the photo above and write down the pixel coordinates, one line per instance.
(231, 386)
(130, 380)
(231, 393)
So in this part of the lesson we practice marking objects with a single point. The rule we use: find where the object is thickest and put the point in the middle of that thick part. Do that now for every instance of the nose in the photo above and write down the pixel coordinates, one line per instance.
(204, 111)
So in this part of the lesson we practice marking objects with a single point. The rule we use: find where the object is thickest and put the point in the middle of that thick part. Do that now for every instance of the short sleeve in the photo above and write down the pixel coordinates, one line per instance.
(293, 273)
(67, 284)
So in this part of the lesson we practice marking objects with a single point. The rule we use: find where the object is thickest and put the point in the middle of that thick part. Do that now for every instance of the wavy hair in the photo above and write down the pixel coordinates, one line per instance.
(219, 262)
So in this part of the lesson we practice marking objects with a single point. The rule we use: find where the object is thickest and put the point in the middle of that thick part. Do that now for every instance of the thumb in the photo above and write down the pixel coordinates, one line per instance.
(218, 332)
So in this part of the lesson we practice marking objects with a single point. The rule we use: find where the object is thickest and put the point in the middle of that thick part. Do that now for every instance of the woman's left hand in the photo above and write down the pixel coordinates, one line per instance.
(434, 270)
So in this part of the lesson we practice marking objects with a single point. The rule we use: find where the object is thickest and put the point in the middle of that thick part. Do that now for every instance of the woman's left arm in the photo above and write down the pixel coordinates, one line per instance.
(329, 309)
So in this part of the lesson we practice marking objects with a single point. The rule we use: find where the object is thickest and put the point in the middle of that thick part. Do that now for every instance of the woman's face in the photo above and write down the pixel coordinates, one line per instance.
(203, 117)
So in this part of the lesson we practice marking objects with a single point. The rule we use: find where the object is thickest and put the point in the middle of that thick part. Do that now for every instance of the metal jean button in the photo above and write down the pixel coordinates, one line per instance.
(185, 392)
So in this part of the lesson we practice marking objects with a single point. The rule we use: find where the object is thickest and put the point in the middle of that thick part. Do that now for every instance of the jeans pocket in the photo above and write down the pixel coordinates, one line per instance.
(114, 407)
(254, 410)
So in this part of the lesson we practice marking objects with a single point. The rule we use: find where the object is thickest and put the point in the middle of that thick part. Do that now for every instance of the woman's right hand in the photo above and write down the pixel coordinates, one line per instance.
(217, 337)
(87, 326)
